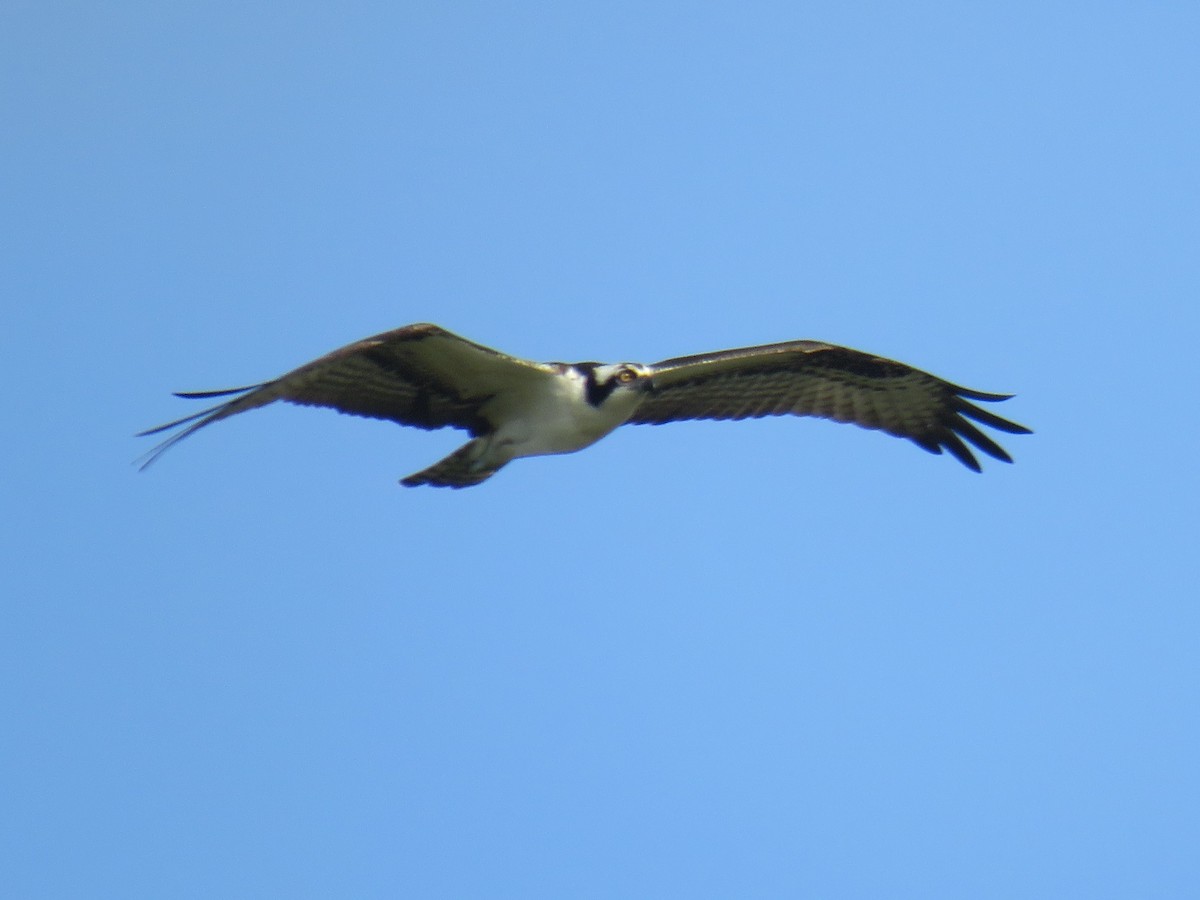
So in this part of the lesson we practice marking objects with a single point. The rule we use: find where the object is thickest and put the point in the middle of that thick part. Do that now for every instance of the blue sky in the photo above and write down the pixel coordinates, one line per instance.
(779, 658)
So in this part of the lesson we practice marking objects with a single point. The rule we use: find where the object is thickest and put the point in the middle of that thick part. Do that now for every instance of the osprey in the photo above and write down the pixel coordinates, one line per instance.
(425, 376)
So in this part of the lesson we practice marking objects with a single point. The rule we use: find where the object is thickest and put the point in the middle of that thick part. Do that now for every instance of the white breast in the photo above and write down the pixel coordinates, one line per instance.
(557, 418)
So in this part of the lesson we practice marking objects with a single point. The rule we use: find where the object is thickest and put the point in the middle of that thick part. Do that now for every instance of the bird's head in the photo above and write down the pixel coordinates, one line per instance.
(605, 382)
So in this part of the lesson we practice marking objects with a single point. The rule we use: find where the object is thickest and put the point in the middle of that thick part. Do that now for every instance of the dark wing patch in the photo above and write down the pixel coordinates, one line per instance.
(810, 378)
(396, 376)
(419, 375)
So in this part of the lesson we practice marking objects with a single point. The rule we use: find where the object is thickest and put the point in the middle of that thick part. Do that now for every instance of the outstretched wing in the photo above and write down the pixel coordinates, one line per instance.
(418, 375)
(811, 378)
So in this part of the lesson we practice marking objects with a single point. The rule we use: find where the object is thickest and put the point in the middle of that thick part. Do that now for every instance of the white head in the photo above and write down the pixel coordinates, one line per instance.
(622, 384)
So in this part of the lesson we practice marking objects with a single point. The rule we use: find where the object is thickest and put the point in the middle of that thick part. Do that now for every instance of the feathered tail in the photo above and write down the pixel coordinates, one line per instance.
(462, 468)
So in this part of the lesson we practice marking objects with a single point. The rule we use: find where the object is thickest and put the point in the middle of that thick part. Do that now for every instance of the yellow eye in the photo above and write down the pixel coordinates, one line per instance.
(626, 375)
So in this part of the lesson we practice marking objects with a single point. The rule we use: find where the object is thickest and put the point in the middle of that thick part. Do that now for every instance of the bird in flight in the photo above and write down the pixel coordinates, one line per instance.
(425, 376)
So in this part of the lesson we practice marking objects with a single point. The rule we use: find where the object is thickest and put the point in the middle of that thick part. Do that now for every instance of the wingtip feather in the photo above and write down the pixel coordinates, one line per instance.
(205, 395)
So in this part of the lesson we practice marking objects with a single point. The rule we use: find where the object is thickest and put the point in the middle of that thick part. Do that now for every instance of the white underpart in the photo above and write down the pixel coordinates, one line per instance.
(557, 418)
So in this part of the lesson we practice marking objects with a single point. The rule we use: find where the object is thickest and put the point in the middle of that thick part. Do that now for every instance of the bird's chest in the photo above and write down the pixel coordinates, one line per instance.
(561, 420)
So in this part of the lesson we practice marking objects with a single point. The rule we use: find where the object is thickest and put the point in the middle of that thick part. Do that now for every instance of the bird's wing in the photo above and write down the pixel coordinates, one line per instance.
(811, 378)
(418, 375)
